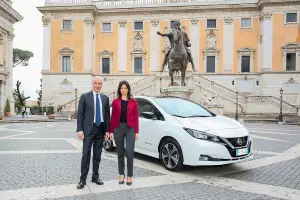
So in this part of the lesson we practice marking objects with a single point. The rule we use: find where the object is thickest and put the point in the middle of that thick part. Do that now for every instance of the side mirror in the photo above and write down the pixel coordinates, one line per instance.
(149, 115)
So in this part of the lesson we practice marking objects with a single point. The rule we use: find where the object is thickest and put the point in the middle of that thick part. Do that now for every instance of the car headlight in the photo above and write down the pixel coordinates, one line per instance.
(203, 135)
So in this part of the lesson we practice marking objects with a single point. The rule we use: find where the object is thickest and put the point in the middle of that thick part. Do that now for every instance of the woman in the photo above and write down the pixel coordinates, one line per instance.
(124, 127)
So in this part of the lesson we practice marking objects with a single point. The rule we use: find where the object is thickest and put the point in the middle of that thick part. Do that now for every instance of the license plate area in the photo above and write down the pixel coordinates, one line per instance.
(241, 152)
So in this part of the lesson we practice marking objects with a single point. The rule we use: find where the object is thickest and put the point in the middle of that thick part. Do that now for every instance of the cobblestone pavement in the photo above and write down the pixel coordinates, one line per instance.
(42, 161)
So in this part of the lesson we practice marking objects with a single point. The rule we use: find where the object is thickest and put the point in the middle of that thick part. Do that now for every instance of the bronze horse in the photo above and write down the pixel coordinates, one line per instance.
(178, 58)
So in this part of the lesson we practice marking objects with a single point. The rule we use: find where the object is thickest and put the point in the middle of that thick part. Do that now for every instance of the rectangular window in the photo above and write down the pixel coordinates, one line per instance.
(210, 64)
(66, 64)
(291, 17)
(245, 22)
(67, 25)
(138, 26)
(105, 65)
(291, 62)
(106, 27)
(138, 65)
(211, 23)
(245, 64)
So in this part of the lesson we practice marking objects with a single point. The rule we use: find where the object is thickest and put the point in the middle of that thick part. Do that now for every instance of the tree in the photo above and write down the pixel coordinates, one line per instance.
(40, 94)
(7, 107)
(21, 57)
(19, 97)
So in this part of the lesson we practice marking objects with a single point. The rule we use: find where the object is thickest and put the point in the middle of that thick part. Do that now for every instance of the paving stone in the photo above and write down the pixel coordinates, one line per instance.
(291, 138)
(30, 145)
(39, 170)
(271, 145)
(284, 174)
(260, 156)
(185, 191)
(51, 134)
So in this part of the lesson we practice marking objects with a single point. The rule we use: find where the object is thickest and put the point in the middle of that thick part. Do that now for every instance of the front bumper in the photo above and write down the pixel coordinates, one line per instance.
(211, 153)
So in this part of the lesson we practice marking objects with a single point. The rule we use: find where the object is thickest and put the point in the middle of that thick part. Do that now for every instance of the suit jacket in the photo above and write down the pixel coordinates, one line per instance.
(132, 114)
(86, 110)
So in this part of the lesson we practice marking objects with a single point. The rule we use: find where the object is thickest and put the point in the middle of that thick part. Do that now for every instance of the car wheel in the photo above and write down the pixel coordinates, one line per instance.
(171, 155)
(108, 145)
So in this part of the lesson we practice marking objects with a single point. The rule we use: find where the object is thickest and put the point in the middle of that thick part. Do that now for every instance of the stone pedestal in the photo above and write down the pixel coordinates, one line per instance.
(177, 91)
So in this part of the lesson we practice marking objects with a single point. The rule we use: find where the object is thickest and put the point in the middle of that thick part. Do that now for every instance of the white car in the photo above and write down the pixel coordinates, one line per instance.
(181, 132)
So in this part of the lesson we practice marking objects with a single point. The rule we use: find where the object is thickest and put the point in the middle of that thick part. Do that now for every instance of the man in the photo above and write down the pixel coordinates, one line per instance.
(93, 119)
(186, 43)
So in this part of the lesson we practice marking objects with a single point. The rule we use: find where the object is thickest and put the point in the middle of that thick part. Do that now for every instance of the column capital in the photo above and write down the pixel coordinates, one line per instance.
(194, 22)
(10, 36)
(265, 16)
(228, 20)
(154, 23)
(122, 24)
(45, 21)
(89, 22)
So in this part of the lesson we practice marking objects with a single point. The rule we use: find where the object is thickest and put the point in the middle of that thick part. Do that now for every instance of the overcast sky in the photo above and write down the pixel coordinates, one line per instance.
(29, 36)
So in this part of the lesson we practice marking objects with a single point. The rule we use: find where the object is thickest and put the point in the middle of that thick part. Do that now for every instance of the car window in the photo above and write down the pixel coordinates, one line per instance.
(146, 106)
(182, 108)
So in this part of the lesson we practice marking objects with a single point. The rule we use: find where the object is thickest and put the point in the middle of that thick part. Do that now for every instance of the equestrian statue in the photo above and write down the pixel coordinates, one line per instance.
(178, 55)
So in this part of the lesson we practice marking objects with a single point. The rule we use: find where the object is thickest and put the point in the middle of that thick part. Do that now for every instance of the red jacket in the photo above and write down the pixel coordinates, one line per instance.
(132, 114)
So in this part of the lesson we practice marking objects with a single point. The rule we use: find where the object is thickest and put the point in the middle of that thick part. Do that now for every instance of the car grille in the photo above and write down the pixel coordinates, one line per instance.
(232, 152)
(239, 141)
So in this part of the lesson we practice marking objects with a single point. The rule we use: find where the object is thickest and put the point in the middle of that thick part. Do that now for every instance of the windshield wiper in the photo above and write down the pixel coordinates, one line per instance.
(179, 116)
(199, 116)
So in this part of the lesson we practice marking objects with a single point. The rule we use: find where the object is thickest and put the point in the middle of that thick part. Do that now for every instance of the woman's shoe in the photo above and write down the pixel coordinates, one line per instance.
(121, 182)
(129, 182)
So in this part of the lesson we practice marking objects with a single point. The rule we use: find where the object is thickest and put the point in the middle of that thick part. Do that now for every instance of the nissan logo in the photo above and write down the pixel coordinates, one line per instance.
(239, 141)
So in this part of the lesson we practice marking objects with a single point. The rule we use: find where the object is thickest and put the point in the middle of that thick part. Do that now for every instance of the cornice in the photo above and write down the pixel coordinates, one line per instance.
(11, 14)
(269, 3)
(67, 9)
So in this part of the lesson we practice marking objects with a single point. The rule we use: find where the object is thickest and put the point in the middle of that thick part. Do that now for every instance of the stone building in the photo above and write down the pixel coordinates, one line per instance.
(8, 16)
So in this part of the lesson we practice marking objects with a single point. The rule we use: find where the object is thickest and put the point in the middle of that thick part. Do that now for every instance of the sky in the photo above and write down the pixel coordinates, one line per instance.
(29, 36)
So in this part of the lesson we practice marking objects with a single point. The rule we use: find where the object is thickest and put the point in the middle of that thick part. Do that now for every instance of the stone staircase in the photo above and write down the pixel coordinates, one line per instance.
(249, 107)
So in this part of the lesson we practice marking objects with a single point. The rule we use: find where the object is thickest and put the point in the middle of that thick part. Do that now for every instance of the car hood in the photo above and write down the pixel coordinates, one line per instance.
(209, 123)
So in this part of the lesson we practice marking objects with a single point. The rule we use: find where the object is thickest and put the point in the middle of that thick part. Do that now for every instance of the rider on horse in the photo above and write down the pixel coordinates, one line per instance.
(186, 42)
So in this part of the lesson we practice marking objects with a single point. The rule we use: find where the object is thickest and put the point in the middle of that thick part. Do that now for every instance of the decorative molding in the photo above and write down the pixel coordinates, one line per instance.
(89, 22)
(211, 40)
(265, 16)
(291, 81)
(106, 53)
(155, 23)
(1, 39)
(138, 44)
(122, 24)
(246, 50)
(228, 20)
(293, 46)
(65, 82)
(195, 22)
(66, 51)
(14, 16)
(45, 21)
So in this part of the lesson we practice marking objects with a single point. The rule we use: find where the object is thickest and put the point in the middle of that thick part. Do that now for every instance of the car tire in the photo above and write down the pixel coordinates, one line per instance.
(108, 145)
(169, 161)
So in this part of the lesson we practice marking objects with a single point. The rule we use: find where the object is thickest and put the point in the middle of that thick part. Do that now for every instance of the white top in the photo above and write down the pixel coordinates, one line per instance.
(101, 114)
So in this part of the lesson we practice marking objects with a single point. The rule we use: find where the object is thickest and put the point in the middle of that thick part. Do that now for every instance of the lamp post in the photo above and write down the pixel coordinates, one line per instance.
(237, 106)
(280, 114)
(75, 101)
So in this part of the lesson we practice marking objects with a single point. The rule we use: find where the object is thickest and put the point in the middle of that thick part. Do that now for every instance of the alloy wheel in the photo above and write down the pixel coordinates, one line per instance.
(170, 155)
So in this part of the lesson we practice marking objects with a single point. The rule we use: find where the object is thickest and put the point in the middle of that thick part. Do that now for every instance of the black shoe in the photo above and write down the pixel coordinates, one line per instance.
(81, 185)
(129, 183)
(97, 181)
(121, 182)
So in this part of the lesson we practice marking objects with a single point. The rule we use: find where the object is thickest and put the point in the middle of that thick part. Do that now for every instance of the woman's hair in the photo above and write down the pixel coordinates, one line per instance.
(129, 96)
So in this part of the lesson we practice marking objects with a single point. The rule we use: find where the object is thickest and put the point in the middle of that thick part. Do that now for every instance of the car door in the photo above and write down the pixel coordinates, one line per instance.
(149, 128)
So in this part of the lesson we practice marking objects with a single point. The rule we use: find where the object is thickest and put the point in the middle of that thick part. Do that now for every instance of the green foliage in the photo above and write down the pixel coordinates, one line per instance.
(21, 57)
(7, 106)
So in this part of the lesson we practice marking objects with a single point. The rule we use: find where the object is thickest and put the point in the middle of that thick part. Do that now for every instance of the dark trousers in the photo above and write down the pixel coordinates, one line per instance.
(95, 139)
(123, 134)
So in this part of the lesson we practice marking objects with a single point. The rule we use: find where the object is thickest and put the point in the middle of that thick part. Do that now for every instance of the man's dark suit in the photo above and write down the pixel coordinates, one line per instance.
(93, 135)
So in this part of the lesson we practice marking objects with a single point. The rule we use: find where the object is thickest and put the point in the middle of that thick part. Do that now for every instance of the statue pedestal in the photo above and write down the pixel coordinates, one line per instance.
(177, 91)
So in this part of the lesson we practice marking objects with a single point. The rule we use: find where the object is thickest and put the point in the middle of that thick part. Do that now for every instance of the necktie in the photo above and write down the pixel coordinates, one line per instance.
(98, 120)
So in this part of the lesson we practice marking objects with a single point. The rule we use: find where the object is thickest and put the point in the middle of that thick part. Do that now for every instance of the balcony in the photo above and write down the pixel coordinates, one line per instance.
(107, 4)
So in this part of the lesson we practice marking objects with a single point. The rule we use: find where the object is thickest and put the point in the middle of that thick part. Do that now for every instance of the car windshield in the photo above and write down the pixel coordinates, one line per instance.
(182, 108)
